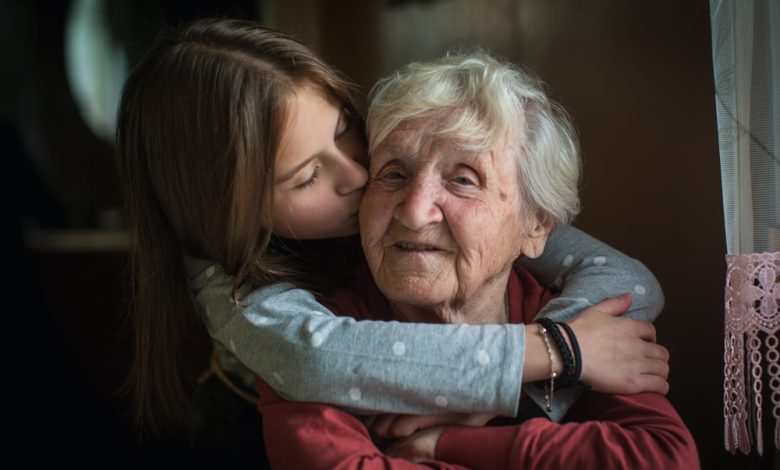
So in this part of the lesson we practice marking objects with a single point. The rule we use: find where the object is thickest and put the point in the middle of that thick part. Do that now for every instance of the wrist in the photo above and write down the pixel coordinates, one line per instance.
(565, 334)
(568, 350)
(536, 360)
(573, 376)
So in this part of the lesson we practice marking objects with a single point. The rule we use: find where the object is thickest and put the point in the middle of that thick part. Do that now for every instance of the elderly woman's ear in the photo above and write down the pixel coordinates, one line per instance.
(535, 237)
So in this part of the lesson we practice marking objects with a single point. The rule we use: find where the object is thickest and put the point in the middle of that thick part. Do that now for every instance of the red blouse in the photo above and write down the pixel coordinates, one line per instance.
(601, 431)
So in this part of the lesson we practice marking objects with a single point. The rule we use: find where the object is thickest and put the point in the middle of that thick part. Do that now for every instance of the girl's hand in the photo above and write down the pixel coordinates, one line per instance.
(619, 355)
(394, 426)
(418, 447)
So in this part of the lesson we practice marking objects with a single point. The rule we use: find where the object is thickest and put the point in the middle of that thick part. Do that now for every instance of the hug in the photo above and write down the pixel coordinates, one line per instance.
(248, 171)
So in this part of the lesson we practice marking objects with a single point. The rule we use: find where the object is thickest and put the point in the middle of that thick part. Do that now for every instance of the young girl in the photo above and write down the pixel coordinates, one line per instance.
(237, 145)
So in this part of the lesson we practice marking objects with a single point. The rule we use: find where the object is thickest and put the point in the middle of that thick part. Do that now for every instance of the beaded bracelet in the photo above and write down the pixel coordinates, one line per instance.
(549, 388)
(577, 356)
(576, 348)
(567, 375)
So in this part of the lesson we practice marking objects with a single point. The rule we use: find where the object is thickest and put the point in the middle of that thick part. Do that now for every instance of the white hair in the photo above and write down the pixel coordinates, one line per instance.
(477, 99)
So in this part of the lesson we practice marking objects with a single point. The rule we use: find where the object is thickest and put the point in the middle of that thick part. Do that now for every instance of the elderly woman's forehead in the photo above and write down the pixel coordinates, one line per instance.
(428, 132)
(419, 136)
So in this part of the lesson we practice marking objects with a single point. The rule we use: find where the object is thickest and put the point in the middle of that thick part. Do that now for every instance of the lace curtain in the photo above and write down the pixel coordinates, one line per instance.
(746, 65)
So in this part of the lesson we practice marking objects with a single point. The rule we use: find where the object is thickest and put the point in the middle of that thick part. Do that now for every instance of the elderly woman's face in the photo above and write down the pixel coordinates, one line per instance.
(438, 222)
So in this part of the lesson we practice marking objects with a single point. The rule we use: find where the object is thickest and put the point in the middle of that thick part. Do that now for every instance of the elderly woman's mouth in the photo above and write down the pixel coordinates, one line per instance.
(415, 246)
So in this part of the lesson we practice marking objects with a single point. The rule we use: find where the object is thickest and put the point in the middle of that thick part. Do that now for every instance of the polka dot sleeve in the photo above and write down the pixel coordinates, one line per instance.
(307, 354)
(587, 271)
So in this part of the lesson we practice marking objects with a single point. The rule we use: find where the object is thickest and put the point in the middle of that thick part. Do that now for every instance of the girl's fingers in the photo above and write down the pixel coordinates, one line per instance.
(645, 330)
(614, 306)
(652, 383)
(656, 367)
(656, 351)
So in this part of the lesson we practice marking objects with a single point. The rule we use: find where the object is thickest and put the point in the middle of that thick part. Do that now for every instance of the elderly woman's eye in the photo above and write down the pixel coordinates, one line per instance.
(464, 181)
(465, 177)
(392, 175)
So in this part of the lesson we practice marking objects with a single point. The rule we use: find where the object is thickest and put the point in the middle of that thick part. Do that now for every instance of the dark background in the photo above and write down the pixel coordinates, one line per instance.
(635, 76)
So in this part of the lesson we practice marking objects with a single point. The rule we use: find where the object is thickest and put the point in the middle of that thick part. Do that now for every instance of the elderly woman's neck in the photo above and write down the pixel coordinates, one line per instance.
(488, 305)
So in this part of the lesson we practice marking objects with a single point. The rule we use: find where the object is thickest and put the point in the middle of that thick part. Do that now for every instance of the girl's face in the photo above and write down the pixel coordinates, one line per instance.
(319, 170)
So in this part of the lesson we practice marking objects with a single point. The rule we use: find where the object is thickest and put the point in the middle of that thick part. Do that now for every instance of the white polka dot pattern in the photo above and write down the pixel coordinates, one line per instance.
(441, 401)
(599, 260)
(568, 260)
(483, 357)
(640, 290)
(210, 271)
(316, 339)
(399, 348)
(355, 394)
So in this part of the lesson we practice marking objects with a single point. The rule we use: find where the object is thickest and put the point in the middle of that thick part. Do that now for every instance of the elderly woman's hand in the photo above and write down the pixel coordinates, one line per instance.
(619, 355)
(394, 426)
(418, 447)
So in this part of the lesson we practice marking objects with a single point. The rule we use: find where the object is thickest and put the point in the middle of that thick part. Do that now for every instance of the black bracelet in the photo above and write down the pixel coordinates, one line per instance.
(575, 379)
(567, 376)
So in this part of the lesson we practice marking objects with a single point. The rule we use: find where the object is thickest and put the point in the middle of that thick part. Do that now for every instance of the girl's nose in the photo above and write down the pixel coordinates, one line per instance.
(353, 177)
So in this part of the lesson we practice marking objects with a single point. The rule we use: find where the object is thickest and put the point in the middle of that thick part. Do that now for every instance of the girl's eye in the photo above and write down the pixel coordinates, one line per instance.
(310, 182)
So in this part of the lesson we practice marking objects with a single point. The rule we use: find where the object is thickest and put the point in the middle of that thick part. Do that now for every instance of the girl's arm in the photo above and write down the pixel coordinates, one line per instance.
(308, 354)
(587, 271)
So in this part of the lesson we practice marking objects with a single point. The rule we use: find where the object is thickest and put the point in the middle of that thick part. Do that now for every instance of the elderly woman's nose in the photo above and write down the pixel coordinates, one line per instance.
(420, 203)
(352, 176)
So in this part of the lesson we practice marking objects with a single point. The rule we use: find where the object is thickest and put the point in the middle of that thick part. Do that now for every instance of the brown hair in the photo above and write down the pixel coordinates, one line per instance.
(199, 124)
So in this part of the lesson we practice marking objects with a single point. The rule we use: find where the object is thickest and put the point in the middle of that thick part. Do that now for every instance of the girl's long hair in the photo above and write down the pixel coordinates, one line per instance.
(199, 125)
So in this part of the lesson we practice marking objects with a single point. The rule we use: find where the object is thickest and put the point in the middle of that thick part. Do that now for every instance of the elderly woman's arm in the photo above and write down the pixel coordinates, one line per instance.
(639, 431)
(315, 436)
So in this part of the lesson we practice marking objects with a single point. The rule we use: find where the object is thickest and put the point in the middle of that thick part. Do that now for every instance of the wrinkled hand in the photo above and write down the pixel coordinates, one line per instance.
(419, 446)
(394, 426)
(619, 354)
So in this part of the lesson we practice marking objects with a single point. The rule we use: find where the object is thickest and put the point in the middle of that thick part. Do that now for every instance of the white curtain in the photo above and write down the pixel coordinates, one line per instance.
(746, 65)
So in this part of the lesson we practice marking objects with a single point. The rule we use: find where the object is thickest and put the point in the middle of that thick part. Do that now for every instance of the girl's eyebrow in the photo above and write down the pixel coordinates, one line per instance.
(294, 170)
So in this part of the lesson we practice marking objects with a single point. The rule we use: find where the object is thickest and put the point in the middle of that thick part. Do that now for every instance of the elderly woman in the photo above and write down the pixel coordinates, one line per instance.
(466, 153)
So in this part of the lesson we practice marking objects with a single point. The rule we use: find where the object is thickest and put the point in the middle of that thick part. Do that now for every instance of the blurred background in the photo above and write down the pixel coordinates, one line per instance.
(635, 76)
